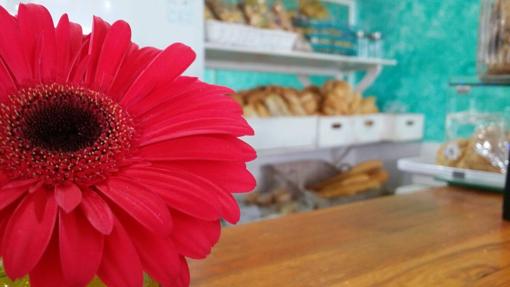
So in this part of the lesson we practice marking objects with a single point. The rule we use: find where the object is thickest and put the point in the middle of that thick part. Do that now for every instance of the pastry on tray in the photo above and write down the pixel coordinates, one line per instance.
(360, 178)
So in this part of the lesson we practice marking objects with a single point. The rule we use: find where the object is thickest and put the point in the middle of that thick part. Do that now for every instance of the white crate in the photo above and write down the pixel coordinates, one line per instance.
(283, 132)
(336, 131)
(370, 128)
(406, 127)
(231, 34)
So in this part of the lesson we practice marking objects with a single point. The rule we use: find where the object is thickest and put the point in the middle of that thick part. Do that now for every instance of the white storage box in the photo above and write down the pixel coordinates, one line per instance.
(370, 128)
(283, 132)
(336, 131)
(231, 34)
(406, 127)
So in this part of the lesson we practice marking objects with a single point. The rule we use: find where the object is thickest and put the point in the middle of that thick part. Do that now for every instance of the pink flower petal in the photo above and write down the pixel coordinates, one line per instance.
(183, 279)
(239, 179)
(160, 118)
(19, 183)
(7, 82)
(214, 147)
(115, 47)
(195, 95)
(5, 216)
(68, 196)
(13, 190)
(159, 256)
(193, 237)
(10, 196)
(38, 32)
(36, 186)
(211, 115)
(134, 63)
(167, 66)
(28, 233)
(81, 248)
(215, 117)
(121, 265)
(12, 49)
(99, 30)
(178, 194)
(79, 71)
(143, 205)
(198, 185)
(217, 111)
(4, 178)
(161, 95)
(199, 125)
(69, 41)
(48, 272)
(97, 212)
(184, 275)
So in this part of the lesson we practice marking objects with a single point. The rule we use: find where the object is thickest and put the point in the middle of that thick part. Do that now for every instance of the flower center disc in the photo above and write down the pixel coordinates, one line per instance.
(62, 125)
(61, 132)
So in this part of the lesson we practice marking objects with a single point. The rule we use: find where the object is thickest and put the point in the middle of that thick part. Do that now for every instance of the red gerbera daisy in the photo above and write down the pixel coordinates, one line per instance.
(111, 162)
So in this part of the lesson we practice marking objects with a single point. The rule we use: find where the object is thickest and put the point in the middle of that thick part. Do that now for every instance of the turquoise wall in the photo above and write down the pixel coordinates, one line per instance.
(432, 40)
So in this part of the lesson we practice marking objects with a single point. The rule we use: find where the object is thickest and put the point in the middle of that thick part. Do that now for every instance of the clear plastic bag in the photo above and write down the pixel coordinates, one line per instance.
(475, 141)
(494, 41)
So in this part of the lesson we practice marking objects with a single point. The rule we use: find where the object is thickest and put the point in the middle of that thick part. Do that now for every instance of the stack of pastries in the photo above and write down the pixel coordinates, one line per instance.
(333, 98)
(363, 177)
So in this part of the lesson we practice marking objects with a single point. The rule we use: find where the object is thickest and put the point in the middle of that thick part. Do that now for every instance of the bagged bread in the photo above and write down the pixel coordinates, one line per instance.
(224, 12)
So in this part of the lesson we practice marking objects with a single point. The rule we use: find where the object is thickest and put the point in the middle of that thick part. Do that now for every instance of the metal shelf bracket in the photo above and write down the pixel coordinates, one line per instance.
(369, 78)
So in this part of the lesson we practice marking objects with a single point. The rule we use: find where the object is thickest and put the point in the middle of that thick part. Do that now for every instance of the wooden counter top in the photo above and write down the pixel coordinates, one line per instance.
(443, 237)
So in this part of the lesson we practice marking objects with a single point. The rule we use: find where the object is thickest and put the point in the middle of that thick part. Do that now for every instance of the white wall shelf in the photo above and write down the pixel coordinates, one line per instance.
(293, 62)
(241, 58)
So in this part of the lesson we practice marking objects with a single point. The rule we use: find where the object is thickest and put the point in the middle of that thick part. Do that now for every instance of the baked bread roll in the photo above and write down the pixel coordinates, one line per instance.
(293, 102)
(276, 105)
(347, 190)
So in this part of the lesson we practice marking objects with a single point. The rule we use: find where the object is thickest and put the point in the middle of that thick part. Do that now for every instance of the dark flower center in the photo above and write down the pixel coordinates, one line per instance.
(60, 132)
(62, 126)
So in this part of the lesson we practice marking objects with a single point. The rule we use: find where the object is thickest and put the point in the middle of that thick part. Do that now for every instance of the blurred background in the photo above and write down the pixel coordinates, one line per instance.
(350, 100)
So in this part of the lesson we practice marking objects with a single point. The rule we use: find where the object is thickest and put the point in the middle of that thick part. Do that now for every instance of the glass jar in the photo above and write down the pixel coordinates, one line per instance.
(362, 44)
(376, 45)
(493, 62)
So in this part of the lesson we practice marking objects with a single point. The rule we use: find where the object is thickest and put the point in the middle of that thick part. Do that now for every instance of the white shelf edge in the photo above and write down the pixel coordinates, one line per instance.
(211, 47)
(343, 2)
(418, 165)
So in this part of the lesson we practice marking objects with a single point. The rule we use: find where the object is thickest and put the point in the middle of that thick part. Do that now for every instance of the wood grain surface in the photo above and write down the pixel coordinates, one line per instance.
(443, 237)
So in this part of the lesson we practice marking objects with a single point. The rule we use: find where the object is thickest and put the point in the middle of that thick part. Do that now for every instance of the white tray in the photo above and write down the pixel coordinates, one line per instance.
(455, 175)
